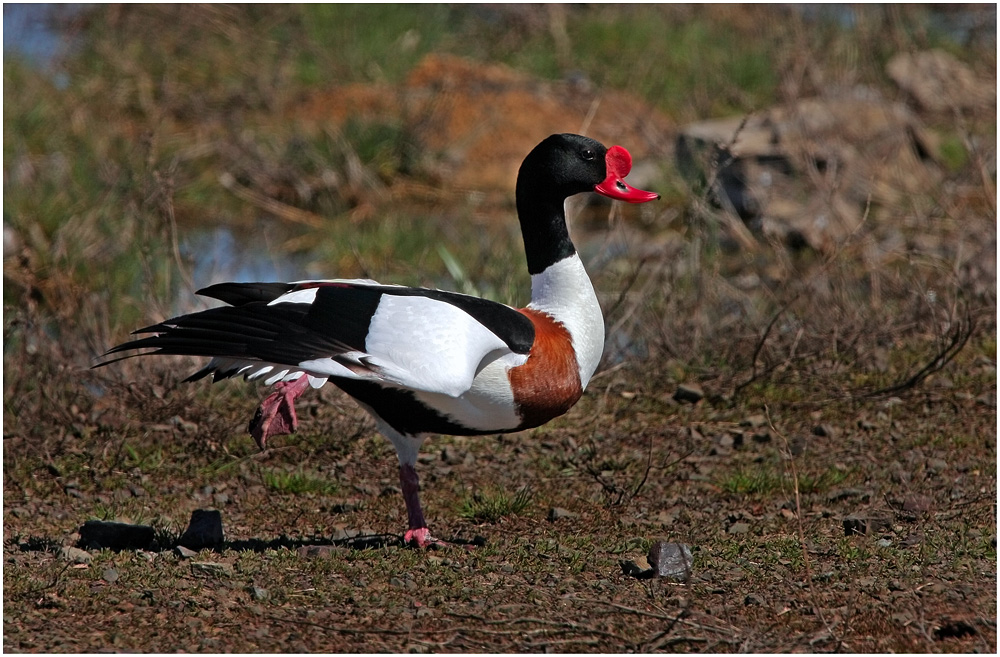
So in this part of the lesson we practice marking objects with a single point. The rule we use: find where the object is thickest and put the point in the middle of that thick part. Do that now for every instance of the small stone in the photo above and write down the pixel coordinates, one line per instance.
(110, 576)
(896, 585)
(211, 568)
(452, 456)
(825, 431)
(738, 528)
(204, 530)
(754, 421)
(883, 542)
(753, 599)
(763, 436)
(672, 560)
(558, 513)
(797, 445)
(632, 569)
(258, 593)
(185, 553)
(75, 555)
(937, 466)
(689, 392)
(97, 534)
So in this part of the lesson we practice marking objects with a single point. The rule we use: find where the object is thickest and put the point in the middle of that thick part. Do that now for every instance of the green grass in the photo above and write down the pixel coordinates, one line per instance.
(492, 505)
(298, 482)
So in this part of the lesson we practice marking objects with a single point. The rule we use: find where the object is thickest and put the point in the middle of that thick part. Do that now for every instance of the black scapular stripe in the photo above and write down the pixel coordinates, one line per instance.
(289, 333)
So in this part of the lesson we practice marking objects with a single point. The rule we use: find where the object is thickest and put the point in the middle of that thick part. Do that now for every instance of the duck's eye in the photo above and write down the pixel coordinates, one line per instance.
(587, 154)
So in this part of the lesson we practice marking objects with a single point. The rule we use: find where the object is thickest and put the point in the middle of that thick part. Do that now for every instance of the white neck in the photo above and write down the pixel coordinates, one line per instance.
(565, 293)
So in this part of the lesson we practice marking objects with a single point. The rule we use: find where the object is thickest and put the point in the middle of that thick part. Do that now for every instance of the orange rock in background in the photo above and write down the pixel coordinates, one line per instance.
(476, 121)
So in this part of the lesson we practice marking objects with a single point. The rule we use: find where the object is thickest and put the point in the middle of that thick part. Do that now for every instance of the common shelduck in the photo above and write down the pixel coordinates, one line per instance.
(423, 361)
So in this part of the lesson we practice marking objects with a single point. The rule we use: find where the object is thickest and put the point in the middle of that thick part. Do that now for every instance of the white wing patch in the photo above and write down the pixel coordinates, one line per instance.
(429, 345)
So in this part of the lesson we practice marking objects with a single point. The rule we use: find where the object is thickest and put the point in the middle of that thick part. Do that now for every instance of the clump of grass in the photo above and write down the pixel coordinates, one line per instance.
(298, 482)
(484, 506)
(751, 482)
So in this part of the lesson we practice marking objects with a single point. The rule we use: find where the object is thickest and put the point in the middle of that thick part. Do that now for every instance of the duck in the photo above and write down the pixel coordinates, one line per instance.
(421, 361)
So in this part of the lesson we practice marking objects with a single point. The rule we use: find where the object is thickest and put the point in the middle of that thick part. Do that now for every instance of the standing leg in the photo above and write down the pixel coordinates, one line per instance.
(417, 531)
(406, 449)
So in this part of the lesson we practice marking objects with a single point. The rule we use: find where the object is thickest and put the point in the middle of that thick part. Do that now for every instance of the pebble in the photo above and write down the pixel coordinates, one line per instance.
(672, 560)
(825, 431)
(110, 575)
(937, 465)
(754, 421)
(75, 555)
(558, 513)
(185, 553)
(738, 528)
(753, 599)
(215, 569)
(258, 593)
(689, 392)
(204, 530)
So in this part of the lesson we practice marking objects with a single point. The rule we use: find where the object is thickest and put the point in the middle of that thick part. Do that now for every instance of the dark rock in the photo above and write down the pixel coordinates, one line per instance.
(797, 445)
(855, 525)
(753, 599)
(955, 629)
(632, 569)
(859, 524)
(672, 560)
(846, 493)
(762, 436)
(97, 534)
(825, 431)
(204, 530)
(689, 392)
(557, 513)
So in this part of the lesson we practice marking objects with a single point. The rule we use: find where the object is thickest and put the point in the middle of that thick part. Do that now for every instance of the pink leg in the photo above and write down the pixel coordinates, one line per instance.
(418, 531)
(276, 414)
